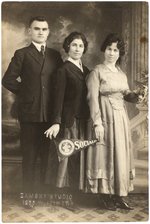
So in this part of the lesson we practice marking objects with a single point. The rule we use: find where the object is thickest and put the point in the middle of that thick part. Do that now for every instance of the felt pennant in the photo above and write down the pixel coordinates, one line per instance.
(68, 147)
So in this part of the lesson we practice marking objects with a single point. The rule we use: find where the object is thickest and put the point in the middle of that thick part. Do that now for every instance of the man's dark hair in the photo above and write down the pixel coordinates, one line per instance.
(71, 37)
(114, 38)
(37, 18)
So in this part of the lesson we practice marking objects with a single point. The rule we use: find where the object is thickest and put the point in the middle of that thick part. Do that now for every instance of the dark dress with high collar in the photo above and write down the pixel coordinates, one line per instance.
(71, 111)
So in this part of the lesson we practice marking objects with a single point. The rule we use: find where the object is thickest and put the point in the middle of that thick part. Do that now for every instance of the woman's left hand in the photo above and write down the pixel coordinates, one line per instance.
(52, 131)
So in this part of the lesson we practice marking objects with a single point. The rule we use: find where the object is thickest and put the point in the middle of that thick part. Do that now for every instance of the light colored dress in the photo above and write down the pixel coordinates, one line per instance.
(110, 167)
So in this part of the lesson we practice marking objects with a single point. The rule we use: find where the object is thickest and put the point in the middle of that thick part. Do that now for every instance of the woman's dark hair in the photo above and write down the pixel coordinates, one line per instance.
(114, 38)
(71, 37)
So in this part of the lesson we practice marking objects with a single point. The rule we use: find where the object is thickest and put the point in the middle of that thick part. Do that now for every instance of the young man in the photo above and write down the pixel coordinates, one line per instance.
(36, 66)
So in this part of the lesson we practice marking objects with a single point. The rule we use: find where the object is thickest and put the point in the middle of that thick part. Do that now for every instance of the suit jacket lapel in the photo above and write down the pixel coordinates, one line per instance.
(85, 71)
(49, 61)
(35, 54)
(78, 73)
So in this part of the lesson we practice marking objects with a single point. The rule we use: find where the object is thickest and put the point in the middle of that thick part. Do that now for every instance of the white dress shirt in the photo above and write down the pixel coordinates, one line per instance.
(38, 46)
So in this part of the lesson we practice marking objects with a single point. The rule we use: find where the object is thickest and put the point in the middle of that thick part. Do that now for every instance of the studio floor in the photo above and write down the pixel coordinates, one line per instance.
(88, 211)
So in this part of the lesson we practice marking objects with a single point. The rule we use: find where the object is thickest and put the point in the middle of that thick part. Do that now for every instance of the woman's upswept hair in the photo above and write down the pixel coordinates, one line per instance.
(114, 38)
(71, 37)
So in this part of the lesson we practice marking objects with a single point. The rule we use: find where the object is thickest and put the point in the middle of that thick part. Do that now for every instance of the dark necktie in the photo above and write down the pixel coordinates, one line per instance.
(42, 50)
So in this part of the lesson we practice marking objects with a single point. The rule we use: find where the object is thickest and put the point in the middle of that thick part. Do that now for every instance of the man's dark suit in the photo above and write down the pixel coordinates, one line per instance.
(35, 97)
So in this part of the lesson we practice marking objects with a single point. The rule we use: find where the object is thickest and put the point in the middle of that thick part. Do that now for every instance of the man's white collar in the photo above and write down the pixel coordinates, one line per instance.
(38, 46)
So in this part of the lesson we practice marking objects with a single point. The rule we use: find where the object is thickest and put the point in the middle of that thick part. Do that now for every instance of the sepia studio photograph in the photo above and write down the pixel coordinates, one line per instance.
(74, 111)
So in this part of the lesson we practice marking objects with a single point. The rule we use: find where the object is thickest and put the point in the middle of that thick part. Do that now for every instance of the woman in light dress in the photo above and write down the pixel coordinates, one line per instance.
(110, 169)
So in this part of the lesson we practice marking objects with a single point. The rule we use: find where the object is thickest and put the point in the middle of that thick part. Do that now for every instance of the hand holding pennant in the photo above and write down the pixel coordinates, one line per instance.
(68, 147)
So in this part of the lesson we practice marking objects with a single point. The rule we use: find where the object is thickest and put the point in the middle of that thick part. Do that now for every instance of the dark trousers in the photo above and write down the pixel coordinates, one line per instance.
(34, 144)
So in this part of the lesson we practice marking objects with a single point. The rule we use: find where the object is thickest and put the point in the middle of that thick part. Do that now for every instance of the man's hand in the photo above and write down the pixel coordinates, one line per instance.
(52, 131)
(99, 132)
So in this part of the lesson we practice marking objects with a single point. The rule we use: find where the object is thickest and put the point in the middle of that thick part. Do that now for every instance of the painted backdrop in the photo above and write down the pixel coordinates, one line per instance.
(95, 20)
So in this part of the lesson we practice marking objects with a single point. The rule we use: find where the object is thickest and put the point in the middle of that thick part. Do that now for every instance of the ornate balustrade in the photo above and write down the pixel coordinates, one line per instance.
(139, 130)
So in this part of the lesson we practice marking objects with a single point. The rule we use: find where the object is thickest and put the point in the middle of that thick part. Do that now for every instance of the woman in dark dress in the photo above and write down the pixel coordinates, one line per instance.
(71, 112)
